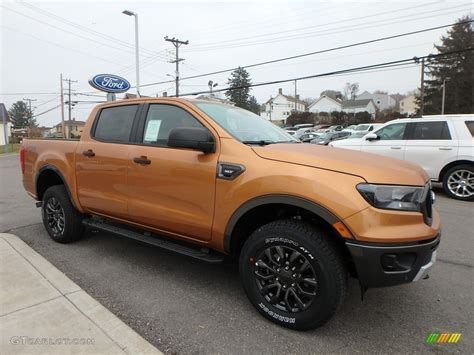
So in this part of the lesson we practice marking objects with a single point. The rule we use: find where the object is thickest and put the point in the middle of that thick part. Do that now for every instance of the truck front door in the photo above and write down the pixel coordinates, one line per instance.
(171, 189)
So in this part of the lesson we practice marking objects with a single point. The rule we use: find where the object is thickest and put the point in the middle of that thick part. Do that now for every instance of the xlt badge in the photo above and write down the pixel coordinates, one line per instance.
(228, 171)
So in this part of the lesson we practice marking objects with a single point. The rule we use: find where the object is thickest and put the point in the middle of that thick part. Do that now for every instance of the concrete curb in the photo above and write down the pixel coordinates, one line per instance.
(43, 311)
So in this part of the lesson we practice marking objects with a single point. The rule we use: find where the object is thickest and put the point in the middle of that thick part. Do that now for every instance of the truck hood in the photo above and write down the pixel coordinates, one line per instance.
(371, 167)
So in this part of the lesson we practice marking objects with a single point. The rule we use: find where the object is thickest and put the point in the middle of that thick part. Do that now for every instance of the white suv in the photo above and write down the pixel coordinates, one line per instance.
(442, 145)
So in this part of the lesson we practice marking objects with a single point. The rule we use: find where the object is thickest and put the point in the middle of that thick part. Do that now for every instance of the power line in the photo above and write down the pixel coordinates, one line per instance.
(67, 31)
(314, 53)
(28, 93)
(61, 46)
(44, 112)
(84, 28)
(312, 26)
(324, 32)
(350, 70)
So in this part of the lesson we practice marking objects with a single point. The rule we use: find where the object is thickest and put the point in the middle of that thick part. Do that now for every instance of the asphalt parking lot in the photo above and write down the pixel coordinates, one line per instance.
(184, 306)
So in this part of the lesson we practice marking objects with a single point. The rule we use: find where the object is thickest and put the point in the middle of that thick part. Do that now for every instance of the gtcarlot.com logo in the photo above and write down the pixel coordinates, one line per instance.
(440, 338)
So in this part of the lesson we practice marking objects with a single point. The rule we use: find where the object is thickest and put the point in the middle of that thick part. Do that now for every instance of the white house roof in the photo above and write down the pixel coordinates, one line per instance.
(322, 97)
(356, 103)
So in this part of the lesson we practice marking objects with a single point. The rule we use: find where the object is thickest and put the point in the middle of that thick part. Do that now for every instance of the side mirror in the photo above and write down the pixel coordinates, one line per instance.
(196, 138)
(371, 137)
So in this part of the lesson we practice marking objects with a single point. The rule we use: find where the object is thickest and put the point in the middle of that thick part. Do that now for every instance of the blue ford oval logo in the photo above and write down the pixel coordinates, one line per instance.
(109, 83)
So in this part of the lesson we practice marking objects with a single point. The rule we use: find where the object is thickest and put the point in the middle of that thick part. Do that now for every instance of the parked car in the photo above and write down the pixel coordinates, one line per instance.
(215, 179)
(442, 145)
(309, 136)
(303, 125)
(367, 127)
(300, 132)
(335, 128)
(325, 138)
(350, 128)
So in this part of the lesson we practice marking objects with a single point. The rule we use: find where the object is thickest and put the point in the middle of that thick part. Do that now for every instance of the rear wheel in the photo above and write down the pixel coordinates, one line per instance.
(293, 274)
(458, 182)
(61, 220)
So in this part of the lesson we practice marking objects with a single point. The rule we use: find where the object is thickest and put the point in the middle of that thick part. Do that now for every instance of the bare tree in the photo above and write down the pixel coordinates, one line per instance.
(351, 90)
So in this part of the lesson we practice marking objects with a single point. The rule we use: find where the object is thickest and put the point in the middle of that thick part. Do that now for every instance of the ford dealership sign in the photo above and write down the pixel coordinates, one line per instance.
(109, 83)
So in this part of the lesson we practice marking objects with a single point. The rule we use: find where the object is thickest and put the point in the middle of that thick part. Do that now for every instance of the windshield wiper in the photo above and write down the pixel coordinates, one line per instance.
(260, 142)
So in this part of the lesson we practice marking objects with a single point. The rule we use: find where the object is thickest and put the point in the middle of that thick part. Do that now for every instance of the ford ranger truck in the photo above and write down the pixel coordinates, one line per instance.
(206, 179)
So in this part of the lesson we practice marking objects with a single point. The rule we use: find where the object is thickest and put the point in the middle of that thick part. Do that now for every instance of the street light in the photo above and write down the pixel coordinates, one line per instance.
(211, 85)
(131, 13)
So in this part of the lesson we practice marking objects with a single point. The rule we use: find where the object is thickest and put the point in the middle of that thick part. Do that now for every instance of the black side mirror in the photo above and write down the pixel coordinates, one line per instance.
(196, 138)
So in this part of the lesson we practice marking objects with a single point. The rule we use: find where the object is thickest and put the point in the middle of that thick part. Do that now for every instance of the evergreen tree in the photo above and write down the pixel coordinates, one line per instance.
(254, 106)
(457, 70)
(239, 78)
(21, 115)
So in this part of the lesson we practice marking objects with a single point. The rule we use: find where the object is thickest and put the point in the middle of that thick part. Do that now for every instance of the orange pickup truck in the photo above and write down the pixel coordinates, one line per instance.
(206, 179)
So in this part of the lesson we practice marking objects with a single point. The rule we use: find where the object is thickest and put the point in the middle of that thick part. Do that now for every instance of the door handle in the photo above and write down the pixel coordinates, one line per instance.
(445, 148)
(143, 160)
(395, 147)
(88, 153)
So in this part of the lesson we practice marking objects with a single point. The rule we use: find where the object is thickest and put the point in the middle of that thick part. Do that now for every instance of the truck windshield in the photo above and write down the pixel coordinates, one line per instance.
(244, 125)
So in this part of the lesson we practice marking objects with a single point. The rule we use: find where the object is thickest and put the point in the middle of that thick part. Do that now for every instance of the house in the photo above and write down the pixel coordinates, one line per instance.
(381, 101)
(281, 106)
(72, 127)
(408, 105)
(325, 104)
(5, 125)
(355, 106)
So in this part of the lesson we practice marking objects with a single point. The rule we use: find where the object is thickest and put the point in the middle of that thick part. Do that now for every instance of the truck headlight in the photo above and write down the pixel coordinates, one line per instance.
(404, 198)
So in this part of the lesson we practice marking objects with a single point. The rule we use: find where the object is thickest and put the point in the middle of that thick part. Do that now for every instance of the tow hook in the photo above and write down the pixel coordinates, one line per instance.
(39, 203)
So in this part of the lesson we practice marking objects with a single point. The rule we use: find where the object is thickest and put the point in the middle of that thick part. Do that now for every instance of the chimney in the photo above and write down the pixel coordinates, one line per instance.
(280, 91)
(165, 94)
(297, 96)
(339, 97)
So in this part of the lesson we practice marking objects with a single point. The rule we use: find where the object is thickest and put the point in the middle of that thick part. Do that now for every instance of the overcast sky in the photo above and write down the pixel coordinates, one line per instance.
(39, 40)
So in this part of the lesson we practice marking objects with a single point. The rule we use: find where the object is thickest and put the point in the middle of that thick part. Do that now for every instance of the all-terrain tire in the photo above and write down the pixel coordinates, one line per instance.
(60, 218)
(265, 246)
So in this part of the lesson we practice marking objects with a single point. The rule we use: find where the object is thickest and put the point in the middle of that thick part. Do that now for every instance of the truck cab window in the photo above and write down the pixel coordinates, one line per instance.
(114, 124)
(161, 119)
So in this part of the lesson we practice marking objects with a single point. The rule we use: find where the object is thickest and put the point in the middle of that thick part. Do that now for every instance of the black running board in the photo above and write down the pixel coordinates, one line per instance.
(203, 254)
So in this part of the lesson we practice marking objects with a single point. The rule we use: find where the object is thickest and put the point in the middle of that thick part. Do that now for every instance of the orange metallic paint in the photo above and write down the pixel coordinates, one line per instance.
(178, 193)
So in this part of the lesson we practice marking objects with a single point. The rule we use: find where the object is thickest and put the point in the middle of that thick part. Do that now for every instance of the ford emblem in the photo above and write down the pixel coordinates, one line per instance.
(109, 83)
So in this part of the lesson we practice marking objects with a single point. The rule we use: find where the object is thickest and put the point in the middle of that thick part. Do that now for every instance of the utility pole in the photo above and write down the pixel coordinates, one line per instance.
(69, 81)
(29, 105)
(62, 102)
(422, 87)
(444, 96)
(176, 43)
(296, 101)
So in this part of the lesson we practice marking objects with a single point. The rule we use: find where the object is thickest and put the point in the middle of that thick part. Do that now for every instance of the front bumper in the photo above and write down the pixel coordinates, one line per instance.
(379, 265)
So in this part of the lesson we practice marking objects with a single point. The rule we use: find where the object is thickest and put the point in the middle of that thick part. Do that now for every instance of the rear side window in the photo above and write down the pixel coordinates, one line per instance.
(431, 130)
(115, 123)
(470, 127)
(161, 119)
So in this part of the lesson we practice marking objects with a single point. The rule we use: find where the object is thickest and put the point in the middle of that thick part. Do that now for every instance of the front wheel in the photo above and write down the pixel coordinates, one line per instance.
(60, 218)
(458, 182)
(293, 274)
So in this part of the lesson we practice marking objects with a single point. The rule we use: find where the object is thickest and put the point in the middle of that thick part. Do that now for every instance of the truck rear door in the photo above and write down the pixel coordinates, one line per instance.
(102, 159)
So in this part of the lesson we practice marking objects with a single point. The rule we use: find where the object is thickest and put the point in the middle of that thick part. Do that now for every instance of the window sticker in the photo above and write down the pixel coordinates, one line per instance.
(152, 129)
